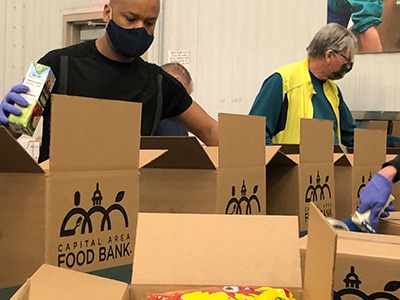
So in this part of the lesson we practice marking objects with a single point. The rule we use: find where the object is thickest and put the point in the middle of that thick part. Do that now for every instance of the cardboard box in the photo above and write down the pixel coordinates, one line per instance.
(190, 178)
(213, 250)
(366, 265)
(375, 124)
(40, 80)
(81, 212)
(354, 170)
(391, 224)
(50, 282)
(182, 251)
(302, 174)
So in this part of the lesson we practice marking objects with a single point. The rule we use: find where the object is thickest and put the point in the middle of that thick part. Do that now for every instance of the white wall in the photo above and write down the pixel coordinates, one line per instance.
(233, 44)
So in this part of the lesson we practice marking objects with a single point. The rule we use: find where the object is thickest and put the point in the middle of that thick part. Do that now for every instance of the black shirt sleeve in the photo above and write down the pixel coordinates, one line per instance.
(395, 162)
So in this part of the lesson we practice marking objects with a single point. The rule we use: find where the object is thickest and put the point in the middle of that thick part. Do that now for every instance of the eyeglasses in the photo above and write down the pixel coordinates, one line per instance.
(349, 64)
(348, 59)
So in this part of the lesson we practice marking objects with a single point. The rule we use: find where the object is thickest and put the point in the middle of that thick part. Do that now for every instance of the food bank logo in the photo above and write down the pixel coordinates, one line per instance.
(319, 190)
(84, 221)
(243, 205)
(353, 284)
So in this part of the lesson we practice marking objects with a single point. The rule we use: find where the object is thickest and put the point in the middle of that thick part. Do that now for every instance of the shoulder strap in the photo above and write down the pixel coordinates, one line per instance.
(159, 105)
(62, 88)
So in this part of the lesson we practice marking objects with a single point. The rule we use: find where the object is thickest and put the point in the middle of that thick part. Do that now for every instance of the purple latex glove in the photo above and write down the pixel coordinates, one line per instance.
(7, 106)
(374, 196)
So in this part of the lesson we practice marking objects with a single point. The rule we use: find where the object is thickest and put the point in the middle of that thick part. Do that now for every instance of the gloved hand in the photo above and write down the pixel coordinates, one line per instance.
(7, 105)
(374, 197)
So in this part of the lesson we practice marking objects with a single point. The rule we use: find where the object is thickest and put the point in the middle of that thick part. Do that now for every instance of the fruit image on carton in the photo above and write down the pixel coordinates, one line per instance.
(40, 80)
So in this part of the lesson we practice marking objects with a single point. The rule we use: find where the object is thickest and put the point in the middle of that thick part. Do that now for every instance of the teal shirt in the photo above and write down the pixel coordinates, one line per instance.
(364, 13)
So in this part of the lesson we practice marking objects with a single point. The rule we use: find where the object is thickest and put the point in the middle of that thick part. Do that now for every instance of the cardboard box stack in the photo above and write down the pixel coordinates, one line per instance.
(81, 211)
(354, 170)
(302, 174)
(190, 178)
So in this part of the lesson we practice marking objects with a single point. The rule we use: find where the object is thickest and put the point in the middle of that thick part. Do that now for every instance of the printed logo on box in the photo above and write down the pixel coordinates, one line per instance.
(361, 187)
(243, 205)
(319, 191)
(78, 223)
(353, 284)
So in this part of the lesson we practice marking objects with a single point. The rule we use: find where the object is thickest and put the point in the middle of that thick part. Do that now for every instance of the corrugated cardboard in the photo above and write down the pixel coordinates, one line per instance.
(354, 170)
(366, 265)
(391, 224)
(181, 251)
(301, 174)
(49, 283)
(190, 178)
(81, 211)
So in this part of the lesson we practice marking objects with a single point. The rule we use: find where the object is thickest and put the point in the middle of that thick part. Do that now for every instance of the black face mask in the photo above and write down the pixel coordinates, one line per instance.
(129, 42)
(344, 69)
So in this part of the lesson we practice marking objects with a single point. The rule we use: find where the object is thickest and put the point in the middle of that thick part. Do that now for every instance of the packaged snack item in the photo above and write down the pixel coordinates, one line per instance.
(226, 293)
(40, 80)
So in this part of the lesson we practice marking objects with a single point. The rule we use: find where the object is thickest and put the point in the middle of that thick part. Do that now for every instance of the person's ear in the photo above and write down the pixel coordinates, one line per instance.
(107, 13)
(328, 56)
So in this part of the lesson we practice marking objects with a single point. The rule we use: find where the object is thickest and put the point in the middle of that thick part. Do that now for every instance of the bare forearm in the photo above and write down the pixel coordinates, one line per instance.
(370, 40)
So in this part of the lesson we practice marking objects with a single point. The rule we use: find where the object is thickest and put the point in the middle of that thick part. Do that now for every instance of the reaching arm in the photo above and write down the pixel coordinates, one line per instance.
(200, 123)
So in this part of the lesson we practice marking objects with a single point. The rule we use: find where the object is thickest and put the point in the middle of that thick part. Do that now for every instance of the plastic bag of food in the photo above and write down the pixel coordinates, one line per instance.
(226, 293)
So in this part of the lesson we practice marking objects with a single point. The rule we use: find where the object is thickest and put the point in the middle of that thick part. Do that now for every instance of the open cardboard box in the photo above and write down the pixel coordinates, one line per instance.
(366, 265)
(181, 251)
(354, 170)
(190, 178)
(302, 174)
(80, 209)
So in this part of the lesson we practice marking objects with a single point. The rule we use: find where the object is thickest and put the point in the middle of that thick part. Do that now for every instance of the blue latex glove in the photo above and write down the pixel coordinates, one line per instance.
(374, 196)
(7, 106)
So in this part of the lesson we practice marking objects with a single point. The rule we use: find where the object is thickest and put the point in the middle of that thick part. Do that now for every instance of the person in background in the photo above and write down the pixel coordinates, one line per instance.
(111, 67)
(168, 127)
(365, 15)
(307, 89)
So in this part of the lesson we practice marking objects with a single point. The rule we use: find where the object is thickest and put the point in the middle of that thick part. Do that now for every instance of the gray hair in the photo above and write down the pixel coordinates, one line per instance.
(332, 37)
(176, 69)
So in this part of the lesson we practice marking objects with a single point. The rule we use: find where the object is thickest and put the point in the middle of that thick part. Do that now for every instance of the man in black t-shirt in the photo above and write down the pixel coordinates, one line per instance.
(111, 68)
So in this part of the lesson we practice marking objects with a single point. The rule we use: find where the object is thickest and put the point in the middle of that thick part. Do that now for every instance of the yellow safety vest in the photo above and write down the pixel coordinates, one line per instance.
(297, 85)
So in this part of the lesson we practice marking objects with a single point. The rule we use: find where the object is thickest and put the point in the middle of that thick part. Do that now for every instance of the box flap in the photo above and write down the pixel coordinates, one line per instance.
(270, 152)
(290, 149)
(320, 257)
(281, 158)
(343, 160)
(94, 134)
(373, 245)
(316, 138)
(213, 154)
(50, 282)
(241, 141)
(147, 156)
(245, 250)
(391, 224)
(183, 152)
(13, 157)
(369, 146)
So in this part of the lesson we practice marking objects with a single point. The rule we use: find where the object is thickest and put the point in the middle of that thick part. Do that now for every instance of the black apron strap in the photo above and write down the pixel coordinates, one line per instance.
(159, 105)
(62, 88)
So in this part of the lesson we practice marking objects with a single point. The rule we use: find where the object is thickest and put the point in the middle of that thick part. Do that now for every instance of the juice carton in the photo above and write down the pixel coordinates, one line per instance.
(40, 80)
